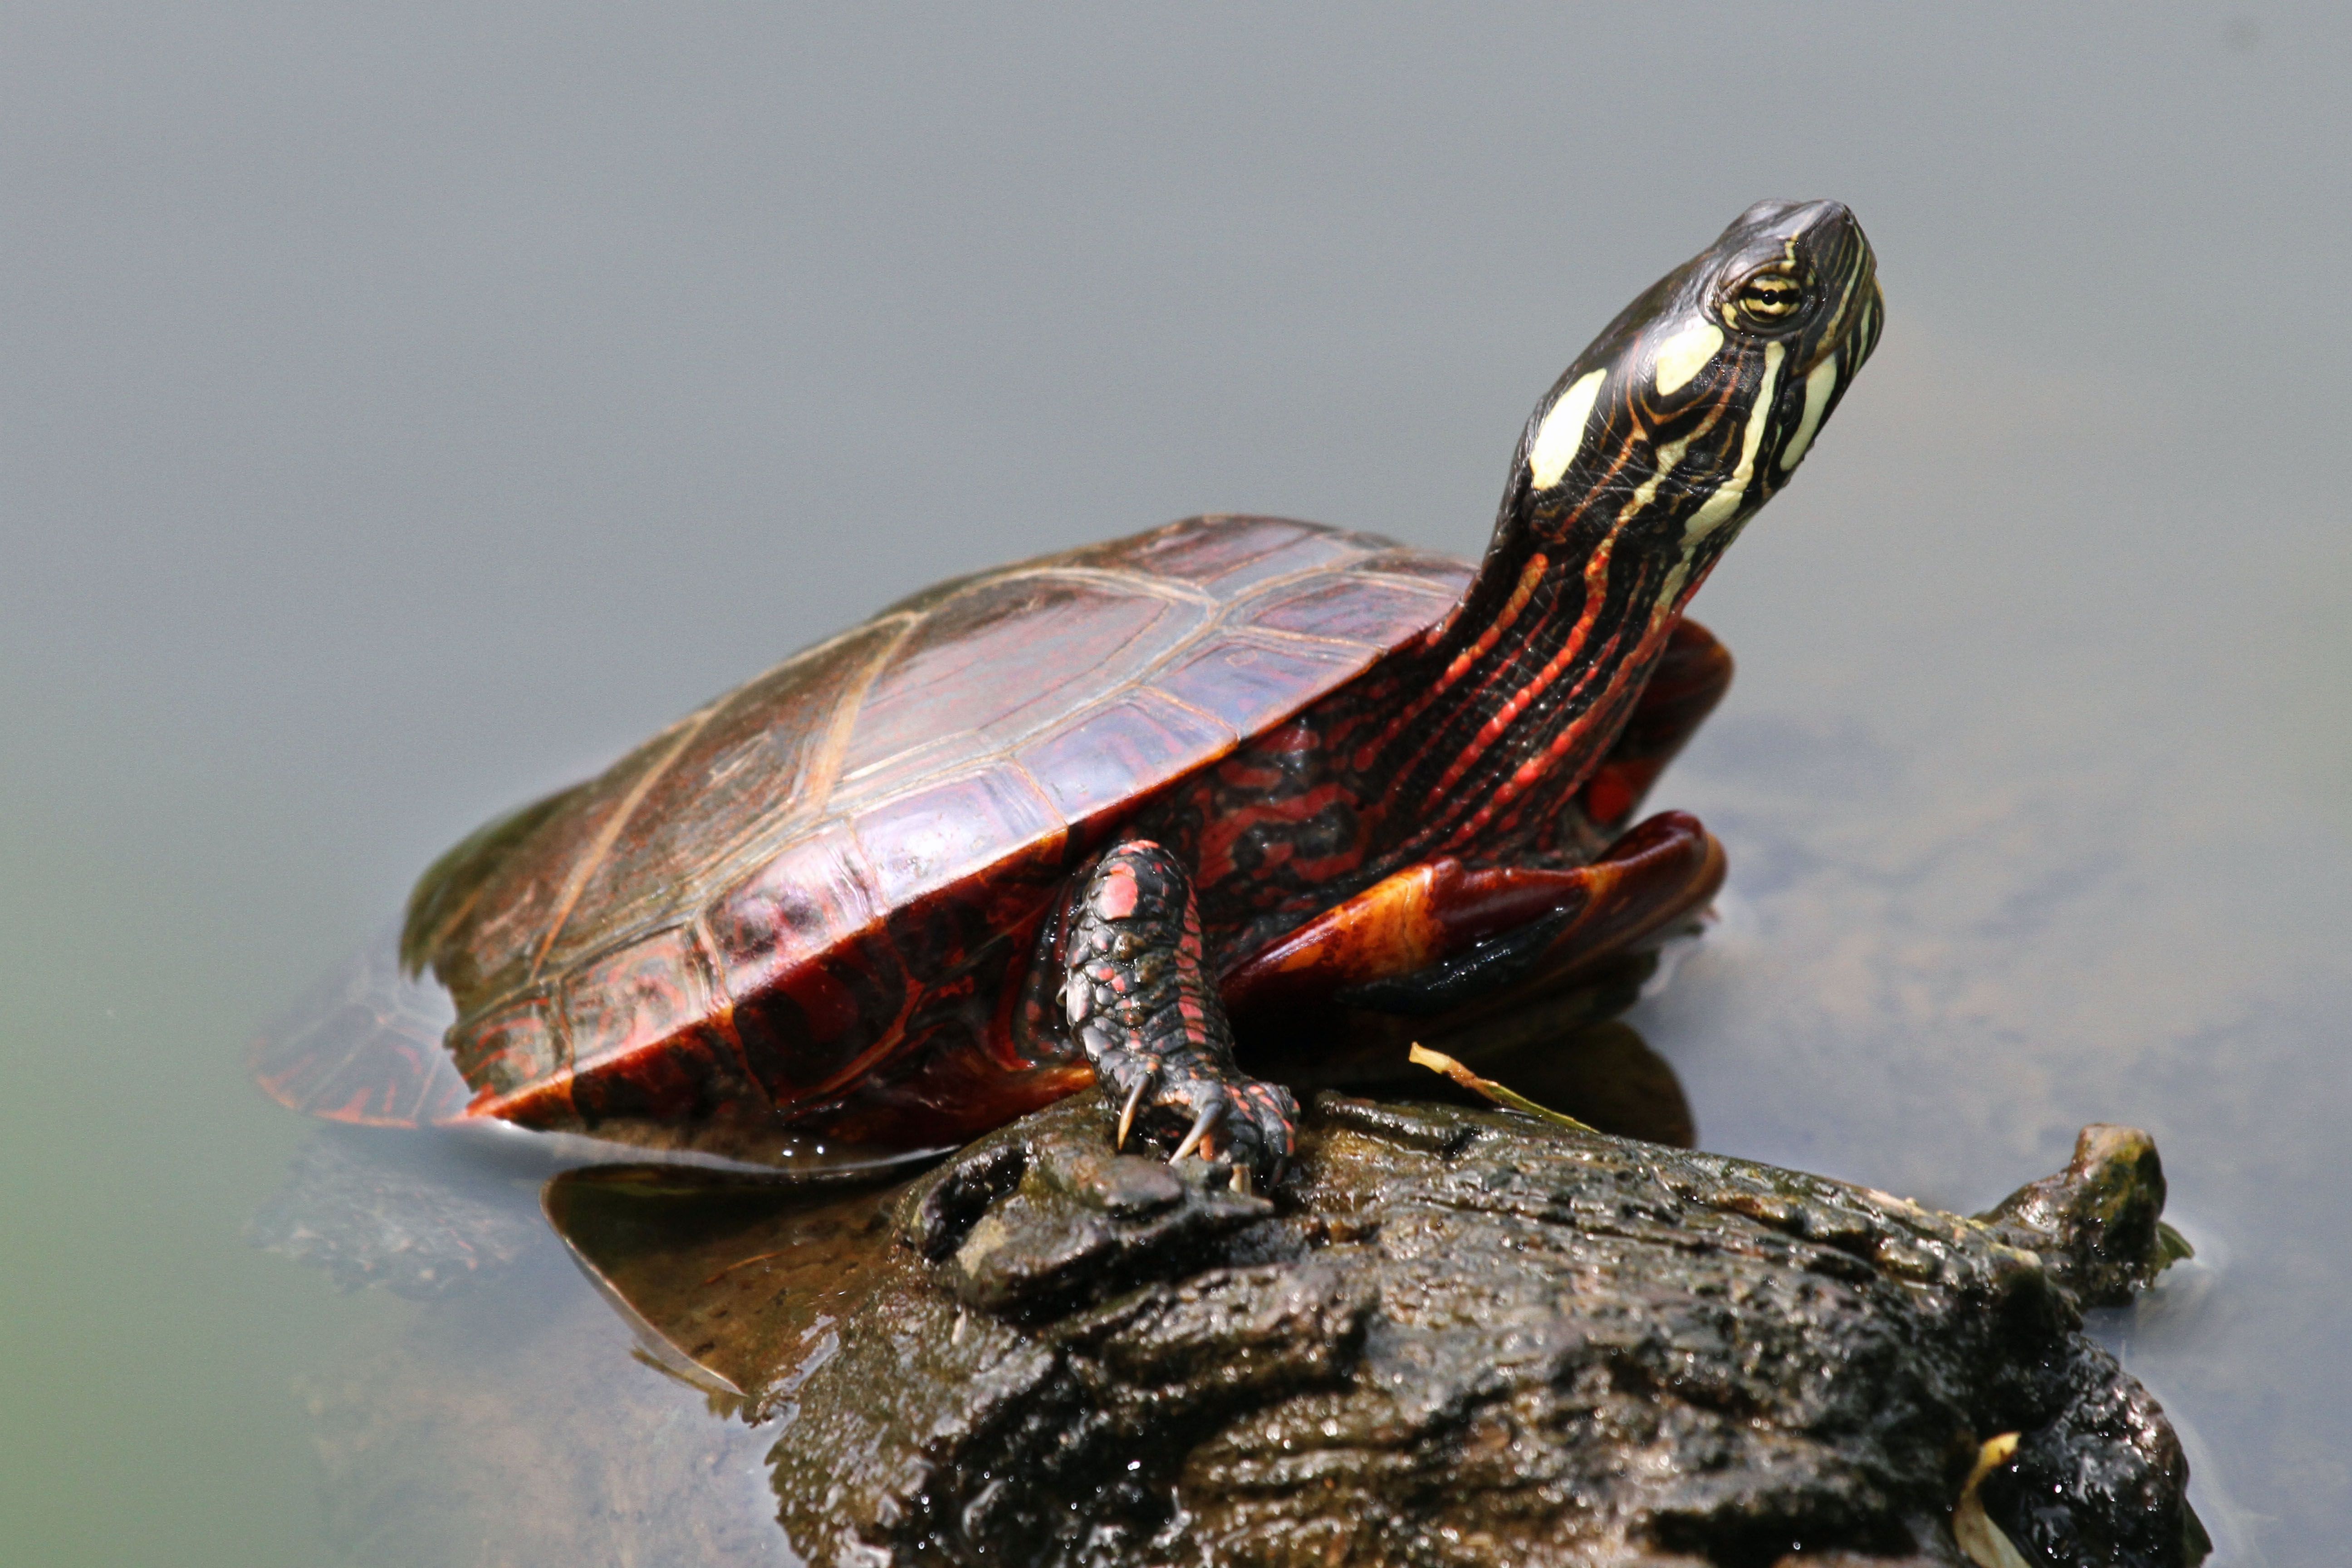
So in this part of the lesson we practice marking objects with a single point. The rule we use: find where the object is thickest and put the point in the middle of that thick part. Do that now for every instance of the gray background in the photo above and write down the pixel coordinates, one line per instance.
(403, 409)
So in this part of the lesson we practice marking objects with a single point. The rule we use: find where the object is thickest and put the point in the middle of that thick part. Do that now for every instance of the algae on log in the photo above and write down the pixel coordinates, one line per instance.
(1461, 1336)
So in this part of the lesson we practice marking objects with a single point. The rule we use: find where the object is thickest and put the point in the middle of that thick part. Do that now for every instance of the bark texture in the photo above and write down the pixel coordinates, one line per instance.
(1463, 1336)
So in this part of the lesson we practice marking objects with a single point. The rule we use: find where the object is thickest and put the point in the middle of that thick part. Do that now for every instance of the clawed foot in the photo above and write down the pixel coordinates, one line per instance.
(1194, 1109)
(1137, 998)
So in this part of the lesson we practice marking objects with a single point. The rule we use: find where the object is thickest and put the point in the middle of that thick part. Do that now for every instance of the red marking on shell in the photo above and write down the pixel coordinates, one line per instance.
(814, 1019)
(806, 900)
(687, 1078)
(542, 1102)
(651, 1040)
(1116, 895)
(514, 1046)
(637, 997)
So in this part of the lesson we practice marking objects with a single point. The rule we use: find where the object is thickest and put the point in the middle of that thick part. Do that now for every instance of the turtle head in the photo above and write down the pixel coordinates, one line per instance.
(1698, 403)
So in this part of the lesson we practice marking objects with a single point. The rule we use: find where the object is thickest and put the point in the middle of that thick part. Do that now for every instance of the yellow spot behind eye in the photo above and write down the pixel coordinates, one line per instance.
(1819, 385)
(1563, 431)
(1686, 354)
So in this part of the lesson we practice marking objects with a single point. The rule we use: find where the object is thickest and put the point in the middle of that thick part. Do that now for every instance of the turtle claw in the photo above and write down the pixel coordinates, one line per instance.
(1126, 1111)
(1201, 1108)
(1211, 1114)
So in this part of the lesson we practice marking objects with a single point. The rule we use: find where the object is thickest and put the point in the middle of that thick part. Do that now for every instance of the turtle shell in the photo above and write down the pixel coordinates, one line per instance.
(834, 875)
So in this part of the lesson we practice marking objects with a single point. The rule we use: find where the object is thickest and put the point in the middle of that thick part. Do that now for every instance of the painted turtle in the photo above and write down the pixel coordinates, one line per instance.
(1075, 820)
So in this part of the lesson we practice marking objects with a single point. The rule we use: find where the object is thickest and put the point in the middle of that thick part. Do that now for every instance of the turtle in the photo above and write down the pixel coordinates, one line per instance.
(1092, 818)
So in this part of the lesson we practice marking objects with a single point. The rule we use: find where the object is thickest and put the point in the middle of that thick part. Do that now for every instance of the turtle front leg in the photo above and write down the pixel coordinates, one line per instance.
(1147, 1014)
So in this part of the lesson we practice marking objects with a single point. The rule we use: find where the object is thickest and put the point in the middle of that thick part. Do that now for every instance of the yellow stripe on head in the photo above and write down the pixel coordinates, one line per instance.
(1819, 385)
(1719, 508)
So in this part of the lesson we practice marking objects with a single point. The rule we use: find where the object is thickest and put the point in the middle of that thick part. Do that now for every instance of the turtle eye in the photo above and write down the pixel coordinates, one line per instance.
(1764, 300)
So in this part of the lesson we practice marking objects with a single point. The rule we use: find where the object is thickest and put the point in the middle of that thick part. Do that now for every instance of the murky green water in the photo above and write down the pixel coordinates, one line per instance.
(406, 410)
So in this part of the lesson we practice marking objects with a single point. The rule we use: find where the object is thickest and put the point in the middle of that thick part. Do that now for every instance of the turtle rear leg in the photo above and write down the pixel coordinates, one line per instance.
(1439, 935)
(1592, 890)
(1139, 1001)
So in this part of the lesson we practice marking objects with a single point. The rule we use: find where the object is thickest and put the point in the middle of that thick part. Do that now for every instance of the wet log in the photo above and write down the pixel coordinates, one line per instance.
(1462, 1336)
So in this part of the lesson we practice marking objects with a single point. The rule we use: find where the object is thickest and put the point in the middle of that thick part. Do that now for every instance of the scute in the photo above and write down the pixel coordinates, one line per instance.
(951, 755)
(1006, 657)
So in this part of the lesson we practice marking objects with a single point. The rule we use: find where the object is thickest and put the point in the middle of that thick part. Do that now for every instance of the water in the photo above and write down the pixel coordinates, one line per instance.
(404, 412)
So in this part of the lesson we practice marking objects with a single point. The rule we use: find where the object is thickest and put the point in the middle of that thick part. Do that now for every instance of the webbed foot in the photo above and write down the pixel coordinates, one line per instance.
(1137, 998)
